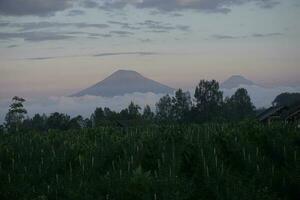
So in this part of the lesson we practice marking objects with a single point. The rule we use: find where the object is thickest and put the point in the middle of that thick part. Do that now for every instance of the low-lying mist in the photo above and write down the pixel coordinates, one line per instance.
(73, 106)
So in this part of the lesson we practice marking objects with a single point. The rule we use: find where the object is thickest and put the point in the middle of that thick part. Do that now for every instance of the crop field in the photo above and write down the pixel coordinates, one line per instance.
(213, 161)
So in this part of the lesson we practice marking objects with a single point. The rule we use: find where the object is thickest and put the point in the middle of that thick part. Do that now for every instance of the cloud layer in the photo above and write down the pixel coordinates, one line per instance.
(48, 7)
(81, 105)
(221, 6)
(35, 36)
(261, 97)
(255, 35)
(33, 7)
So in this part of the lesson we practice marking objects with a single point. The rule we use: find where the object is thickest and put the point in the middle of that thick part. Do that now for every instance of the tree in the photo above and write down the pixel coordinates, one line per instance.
(134, 111)
(208, 99)
(164, 109)
(16, 114)
(58, 121)
(286, 99)
(110, 115)
(88, 123)
(1, 129)
(97, 117)
(181, 105)
(148, 115)
(239, 105)
(39, 122)
(76, 123)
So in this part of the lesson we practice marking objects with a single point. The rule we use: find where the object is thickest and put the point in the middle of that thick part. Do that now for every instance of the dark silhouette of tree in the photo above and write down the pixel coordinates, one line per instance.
(181, 105)
(97, 117)
(208, 99)
(15, 115)
(58, 121)
(239, 105)
(164, 109)
(148, 115)
(39, 122)
(124, 114)
(286, 99)
(110, 115)
(76, 123)
(88, 123)
(1, 129)
(134, 111)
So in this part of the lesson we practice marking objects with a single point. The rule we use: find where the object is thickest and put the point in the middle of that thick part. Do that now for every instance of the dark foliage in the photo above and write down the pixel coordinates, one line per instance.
(245, 161)
(287, 99)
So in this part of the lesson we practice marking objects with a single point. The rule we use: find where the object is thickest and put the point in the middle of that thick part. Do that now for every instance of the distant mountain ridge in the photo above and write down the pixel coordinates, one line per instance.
(235, 81)
(124, 82)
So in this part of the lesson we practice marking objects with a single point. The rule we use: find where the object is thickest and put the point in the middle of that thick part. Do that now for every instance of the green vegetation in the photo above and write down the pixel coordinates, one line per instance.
(202, 148)
(207, 106)
(210, 161)
(287, 99)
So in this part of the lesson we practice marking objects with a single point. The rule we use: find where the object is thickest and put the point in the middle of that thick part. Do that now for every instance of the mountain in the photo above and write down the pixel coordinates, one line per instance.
(124, 82)
(235, 81)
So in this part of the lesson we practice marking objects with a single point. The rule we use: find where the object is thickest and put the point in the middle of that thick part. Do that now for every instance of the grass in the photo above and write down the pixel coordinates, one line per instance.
(213, 161)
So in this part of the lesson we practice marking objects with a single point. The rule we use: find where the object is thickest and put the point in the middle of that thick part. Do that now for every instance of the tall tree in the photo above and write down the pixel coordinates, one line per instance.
(286, 99)
(164, 109)
(39, 122)
(16, 114)
(239, 105)
(134, 111)
(58, 121)
(208, 99)
(97, 117)
(1, 129)
(181, 105)
(109, 114)
(77, 123)
(148, 115)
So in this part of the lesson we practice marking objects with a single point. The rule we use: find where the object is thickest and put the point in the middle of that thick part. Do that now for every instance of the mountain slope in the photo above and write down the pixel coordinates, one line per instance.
(124, 82)
(235, 81)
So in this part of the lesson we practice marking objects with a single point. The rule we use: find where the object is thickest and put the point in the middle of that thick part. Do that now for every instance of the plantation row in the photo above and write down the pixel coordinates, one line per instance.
(213, 161)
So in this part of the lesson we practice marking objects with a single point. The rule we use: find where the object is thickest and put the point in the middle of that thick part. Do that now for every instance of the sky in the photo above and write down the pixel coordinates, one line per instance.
(58, 47)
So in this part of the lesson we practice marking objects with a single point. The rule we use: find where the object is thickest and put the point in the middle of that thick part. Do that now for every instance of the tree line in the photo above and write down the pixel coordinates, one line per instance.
(207, 105)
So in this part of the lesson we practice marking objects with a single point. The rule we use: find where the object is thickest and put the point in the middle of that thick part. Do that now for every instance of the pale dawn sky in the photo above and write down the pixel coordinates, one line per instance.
(52, 48)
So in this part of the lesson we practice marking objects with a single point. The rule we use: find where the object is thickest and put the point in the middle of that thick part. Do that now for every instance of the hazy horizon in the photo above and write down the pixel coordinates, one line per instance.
(60, 47)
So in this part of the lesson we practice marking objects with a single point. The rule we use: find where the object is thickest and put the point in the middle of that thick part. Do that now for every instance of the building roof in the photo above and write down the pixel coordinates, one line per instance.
(292, 112)
(269, 112)
(284, 112)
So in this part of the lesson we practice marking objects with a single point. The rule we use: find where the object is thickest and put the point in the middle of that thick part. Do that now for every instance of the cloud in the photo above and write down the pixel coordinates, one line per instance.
(34, 36)
(33, 7)
(49, 7)
(12, 46)
(259, 35)
(141, 53)
(45, 24)
(222, 37)
(121, 33)
(176, 15)
(89, 4)
(255, 35)
(214, 6)
(160, 27)
(150, 26)
(46, 58)
(124, 25)
(84, 106)
(262, 96)
(145, 40)
(73, 13)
